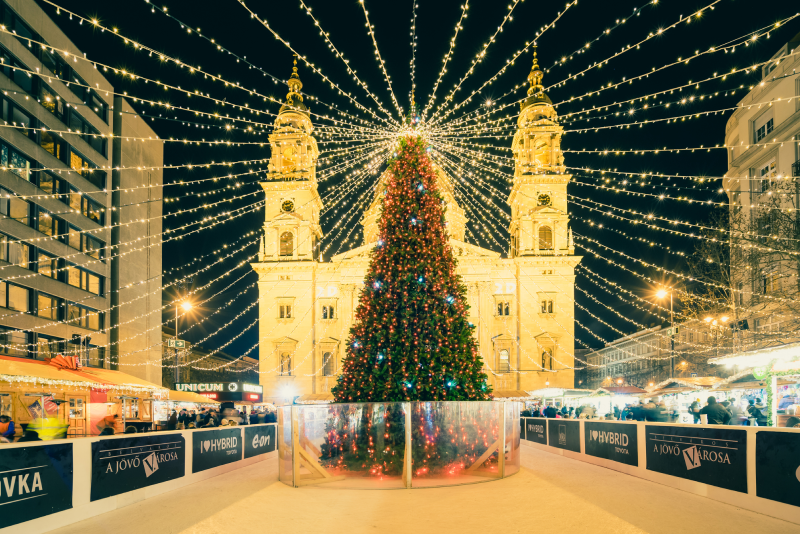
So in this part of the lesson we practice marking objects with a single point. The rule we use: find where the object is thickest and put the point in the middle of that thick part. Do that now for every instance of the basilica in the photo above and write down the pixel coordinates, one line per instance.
(521, 301)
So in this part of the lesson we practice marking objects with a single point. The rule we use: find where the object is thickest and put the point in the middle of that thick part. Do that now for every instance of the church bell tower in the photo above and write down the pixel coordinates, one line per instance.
(538, 199)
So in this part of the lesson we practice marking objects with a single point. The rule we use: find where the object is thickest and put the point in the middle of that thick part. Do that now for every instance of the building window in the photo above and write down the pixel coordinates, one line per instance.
(14, 207)
(14, 252)
(285, 311)
(545, 238)
(84, 317)
(765, 174)
(547, 306)
(740, 293)
(763, 126)
(53, 143)
(770, 283)
(503, 308)
(503, 363)
(14, 297)
(85, 280)
(13, 343)
(328, 312)
(547, 359)
(286, 364)
(287, 244)
(47, 224)
(47, 265)
(328, 364)
(48, 307)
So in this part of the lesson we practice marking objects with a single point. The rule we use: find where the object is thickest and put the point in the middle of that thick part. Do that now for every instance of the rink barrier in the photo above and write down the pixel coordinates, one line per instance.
(756, 468)
(47, 485)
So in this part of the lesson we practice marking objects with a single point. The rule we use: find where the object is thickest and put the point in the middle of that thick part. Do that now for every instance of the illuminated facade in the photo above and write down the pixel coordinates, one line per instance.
(522, 304)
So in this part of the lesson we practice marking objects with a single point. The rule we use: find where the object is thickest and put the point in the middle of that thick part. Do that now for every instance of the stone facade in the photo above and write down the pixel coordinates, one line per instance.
(522, 304)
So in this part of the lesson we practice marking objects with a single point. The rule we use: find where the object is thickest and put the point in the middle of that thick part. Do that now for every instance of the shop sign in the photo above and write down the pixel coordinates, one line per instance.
(612, 441)
(778, 466)
(259, 439)
(213, 448)
(120, 465)
(536, 429)
(564, 434)
(714, 456)
(34, 482)
(760, 373)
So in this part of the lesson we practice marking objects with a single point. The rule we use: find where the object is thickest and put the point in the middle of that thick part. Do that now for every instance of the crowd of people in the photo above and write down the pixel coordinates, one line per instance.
(741, 411)
(178, 420)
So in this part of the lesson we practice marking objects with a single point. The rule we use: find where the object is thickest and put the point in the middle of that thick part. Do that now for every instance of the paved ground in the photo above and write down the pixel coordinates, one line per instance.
(550, 494)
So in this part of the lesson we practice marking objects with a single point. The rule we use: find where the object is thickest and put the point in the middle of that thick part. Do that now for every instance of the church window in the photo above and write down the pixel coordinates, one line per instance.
(287, 244)
(547, 306)
(547, 359)
(503, 365)
(285, 311)
(286, 364)
(545, 238)
(503, 307)
(328, 312)
(328, 364)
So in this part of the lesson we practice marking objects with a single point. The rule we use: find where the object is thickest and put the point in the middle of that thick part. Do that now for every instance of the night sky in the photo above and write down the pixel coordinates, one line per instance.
(230, 25)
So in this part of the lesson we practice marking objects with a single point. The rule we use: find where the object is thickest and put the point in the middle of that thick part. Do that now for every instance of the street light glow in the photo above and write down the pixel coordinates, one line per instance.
(661, 293)
(187, 305)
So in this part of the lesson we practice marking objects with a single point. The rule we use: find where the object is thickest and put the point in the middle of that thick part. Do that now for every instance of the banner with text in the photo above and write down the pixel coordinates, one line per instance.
(612, 441)
(536, 430)
(34, 482)
(564, 434)
(259, 439)
(714, 456)
(214, 448)
(120, 465)
(778, 466)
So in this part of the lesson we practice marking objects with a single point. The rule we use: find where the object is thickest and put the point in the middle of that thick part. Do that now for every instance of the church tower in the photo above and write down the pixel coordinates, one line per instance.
(541, 245)
(539, 220)
(287, 258)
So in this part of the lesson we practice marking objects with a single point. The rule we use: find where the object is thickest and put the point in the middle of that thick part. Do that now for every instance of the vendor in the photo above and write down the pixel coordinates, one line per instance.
(7, 429)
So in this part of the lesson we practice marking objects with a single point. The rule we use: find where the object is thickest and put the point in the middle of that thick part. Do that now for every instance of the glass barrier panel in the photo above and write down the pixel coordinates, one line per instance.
(359, 445)
(454, 442)
(512, 438)
(285, 445)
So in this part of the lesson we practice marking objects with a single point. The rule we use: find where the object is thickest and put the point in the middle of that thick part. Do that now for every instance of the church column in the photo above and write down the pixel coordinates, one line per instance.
(484, 320)
(346, 292)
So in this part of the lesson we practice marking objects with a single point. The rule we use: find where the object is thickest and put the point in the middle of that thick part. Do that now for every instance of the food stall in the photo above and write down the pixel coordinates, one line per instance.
(679, 393)
(558, 397)
(778, 367)
(179, 400)
(58, 392)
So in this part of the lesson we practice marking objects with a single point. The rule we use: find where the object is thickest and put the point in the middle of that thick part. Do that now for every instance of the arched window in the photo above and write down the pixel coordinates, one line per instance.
(547, 359)
(504, 365)
(328, 364)
(286, 364)
(287, 244)
(545, 238)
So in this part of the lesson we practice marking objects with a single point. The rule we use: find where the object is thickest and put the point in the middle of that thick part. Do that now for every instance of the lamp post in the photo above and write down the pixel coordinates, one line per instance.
(661, 294)
(186, 305)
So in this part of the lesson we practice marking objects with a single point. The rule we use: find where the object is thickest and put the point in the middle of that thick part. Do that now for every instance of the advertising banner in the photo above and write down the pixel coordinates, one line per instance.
(612, 441)
(536, 430)
(126, 464)
(34, 482)
(214, 448)
(564, 434)
(714, 456)
(259, 439)
(778, 466)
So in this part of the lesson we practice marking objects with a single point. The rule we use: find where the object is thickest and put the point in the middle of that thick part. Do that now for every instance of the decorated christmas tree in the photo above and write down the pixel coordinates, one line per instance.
(411, 339)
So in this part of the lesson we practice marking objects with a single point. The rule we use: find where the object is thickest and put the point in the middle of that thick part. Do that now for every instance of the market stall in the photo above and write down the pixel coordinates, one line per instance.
(59, 393)
(679, 393)
(778, 368)
(179, 400)
(558, 397)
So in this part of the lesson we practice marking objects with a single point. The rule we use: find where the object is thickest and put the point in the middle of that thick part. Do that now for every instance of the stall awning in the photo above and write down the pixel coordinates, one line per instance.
(624, 390)
(315, 398)
(37, 373)
(189, 396)
(548, 393)
(510, 394)
(785, 352)
(683, 385)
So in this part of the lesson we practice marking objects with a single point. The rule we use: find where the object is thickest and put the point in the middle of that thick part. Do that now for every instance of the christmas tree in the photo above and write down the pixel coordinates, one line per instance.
(411, 339)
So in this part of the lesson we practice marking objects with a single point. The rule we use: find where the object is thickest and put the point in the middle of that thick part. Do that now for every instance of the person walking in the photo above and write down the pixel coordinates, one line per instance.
(172, 422)
(717, 414)
(253, 417)
(694, 409)
(550, 412)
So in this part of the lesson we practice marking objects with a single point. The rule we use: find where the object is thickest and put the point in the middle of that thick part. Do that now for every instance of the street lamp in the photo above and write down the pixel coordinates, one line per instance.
(662, 293)
(186, 305)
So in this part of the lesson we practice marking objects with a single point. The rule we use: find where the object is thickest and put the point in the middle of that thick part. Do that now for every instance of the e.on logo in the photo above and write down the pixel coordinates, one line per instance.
(260, 441)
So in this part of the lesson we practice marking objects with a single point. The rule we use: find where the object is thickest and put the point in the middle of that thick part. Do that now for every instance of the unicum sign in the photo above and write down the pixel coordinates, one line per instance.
(225, 391)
